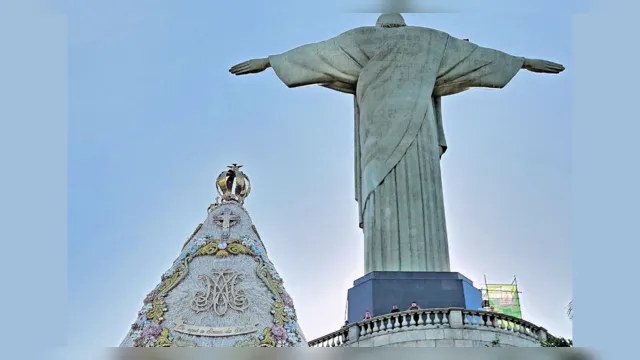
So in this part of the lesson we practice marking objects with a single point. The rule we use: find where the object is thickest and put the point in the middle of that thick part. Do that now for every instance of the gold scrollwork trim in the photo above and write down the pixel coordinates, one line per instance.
(253, 341)
(158, 305)
(279, 315)
(267, 340)
(234, 247)
(164, 340)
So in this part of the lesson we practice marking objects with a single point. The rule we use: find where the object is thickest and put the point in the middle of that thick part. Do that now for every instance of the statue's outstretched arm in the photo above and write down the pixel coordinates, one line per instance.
(542, 66)
(252, 66)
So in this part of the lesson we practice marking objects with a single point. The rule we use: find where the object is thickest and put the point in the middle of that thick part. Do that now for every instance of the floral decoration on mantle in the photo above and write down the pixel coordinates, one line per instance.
(148, 330)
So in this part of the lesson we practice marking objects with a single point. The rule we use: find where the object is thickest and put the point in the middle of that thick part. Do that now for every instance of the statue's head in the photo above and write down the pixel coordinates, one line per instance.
(391, 20)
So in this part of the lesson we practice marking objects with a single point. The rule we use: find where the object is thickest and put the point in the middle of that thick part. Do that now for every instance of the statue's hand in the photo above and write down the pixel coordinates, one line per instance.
(542, 66)
(250, 67)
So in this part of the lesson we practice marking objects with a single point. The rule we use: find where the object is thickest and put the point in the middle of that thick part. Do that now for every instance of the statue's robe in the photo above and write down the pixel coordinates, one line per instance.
(397, 76)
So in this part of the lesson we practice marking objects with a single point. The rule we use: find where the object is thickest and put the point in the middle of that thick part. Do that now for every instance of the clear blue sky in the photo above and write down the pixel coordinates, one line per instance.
(155, 116)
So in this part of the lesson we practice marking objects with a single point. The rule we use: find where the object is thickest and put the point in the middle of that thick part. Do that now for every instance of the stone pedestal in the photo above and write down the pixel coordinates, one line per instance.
(378, 291)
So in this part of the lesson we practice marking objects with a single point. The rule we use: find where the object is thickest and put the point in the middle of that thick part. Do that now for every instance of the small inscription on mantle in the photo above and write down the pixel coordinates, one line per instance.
(181, 327)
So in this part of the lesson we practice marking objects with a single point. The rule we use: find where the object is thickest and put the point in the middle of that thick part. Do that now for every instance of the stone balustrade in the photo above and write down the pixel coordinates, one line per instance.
(478, 318)
(471, 325)
(334, 339)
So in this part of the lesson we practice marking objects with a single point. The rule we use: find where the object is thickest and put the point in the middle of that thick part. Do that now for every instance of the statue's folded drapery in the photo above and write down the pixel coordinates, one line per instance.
(397, 77)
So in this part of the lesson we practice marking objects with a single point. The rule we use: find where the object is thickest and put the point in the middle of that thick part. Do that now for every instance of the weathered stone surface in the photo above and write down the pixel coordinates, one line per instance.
(415, 334)
(507, 339)
(489, 335)
(472, 335)
(463, 343)
(428, 343)
(445, 343)
(382, 340)
(435, 334)
(365, 343)
(453, 334)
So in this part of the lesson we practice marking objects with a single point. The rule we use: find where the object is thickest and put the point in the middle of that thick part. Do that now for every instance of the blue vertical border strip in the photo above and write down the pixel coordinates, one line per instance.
(33, 185)
(606, 176)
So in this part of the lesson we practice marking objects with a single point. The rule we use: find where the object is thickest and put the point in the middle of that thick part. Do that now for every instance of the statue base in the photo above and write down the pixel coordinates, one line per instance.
(378, 291)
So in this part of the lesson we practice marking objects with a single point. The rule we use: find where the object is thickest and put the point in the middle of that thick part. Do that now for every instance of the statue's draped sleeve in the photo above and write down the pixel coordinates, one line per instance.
(466, 65)
(333, 63)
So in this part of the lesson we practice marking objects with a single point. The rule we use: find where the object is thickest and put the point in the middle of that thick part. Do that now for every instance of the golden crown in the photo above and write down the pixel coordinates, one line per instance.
(226, 181)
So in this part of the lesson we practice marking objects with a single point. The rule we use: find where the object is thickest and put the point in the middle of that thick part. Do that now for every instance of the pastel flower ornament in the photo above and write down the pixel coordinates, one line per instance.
(279, 333)
(152, 330)
(152, 295)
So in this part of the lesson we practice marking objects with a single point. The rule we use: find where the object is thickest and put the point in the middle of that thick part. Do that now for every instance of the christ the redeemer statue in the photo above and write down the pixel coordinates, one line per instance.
(398, 74)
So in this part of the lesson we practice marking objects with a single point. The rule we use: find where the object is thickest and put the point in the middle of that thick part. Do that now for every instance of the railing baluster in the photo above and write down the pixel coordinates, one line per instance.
(445, 318)
(429, 318)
